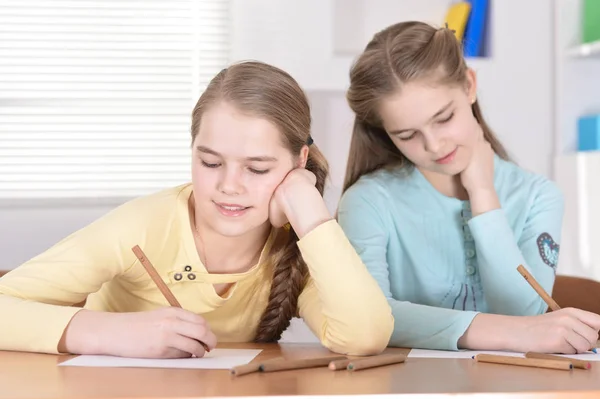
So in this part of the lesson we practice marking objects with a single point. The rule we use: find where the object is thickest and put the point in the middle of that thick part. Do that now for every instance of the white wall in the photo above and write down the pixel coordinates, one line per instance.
(28, 229)
(577, 79)
(304, 37)
(515, 82)
(577, 84)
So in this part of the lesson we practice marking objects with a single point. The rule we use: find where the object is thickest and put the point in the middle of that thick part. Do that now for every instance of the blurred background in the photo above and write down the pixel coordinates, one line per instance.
(96, 95)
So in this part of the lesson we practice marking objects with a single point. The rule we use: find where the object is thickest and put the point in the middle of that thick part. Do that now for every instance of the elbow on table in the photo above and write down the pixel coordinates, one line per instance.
(363, 339)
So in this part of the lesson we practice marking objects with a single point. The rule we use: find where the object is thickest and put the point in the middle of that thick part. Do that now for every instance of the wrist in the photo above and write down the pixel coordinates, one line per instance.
(480, 191)
(85, 334)
(483, 200)
(489, 332)
(305, 209)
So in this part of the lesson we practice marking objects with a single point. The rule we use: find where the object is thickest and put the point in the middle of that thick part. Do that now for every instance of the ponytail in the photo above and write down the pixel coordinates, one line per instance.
(290, 272)
(370, 149)
(488, 134)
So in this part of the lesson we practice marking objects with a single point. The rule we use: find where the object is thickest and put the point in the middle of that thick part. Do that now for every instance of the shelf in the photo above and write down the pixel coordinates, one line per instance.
(586, 50)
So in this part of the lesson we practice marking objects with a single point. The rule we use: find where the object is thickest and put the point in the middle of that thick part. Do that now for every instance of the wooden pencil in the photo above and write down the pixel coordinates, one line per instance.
(376, 361)
(159, 282)
(245, 369)
(339, 364)
(538, 288)
(294, 364)
(521, 361)
(541, 292)
(579, 364)
(251, 367)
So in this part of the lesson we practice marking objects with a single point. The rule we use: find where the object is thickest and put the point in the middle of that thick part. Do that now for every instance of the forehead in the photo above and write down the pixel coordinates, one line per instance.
(231, 132)
(414, 104)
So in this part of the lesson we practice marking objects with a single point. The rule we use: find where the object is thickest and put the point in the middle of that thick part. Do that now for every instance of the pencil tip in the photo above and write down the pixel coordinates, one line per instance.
(588, 366)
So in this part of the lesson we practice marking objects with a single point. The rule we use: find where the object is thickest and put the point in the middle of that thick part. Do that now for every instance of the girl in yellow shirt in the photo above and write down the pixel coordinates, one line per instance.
(244, 247)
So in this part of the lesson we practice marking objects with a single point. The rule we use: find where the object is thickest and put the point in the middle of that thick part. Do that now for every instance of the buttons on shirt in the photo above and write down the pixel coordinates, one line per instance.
(470, 254)
(187, 274)
(465, 216)
(467, 233)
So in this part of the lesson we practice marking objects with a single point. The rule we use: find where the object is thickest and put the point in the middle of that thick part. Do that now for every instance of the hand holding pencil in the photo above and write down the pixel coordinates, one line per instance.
(565, 331)
(178, 332)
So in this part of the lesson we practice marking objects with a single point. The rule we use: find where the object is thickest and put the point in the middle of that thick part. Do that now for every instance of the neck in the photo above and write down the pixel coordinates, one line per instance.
(224, 254)
(449, 186)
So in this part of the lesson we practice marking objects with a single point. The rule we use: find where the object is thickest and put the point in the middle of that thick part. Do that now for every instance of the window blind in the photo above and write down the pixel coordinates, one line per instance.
(96, 95)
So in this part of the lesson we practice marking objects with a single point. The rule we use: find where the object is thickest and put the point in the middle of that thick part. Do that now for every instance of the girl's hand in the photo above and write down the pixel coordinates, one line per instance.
(479, 173)
(478, 177)
(162, 333)
(566, 331)
(297, 201)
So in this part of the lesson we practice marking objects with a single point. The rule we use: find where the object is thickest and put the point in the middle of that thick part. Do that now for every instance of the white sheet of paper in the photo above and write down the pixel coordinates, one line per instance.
(216, 359)
(462, 354)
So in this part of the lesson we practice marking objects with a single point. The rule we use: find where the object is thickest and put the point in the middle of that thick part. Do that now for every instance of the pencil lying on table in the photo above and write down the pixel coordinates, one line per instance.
(376, 361)
(332, 362)
(159, 282)
(541, 292)
(295, 364)
(339, 364)
(521, 361)
(281, 364)
(250, 367)
(580, 364)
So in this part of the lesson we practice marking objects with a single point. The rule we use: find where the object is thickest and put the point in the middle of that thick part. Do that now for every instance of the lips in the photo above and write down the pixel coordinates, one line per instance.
(231, 210)
(232, 207)
(447, 158)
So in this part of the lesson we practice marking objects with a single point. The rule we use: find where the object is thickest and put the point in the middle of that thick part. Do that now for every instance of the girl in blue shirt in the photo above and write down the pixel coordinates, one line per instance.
(440, 215)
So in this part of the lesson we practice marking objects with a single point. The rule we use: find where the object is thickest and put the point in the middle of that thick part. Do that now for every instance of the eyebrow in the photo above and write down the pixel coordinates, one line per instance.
(441, 111)
(262, 158)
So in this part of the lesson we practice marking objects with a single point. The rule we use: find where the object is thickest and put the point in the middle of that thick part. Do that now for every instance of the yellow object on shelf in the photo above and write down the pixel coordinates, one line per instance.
(457, 18)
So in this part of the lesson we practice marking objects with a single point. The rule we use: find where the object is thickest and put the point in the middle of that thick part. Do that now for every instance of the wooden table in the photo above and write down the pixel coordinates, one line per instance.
(26, 375)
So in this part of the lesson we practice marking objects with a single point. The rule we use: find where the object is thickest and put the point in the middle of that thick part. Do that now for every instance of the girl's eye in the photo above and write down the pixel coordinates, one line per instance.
(252, 170)
(210, 165)
(447, 119)
(406, 138)
(258, 172)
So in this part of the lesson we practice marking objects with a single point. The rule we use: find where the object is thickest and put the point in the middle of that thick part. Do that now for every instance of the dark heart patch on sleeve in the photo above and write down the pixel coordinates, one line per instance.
(548, 249)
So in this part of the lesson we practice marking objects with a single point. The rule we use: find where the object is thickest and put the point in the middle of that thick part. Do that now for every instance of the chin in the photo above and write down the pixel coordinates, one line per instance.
(235, 228)
(451, 169)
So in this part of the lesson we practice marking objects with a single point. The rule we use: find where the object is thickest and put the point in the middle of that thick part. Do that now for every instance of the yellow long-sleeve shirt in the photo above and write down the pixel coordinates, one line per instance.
(341, 303)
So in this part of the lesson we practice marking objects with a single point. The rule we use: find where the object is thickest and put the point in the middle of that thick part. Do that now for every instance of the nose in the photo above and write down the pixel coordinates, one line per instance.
(230, 182)
(432, 143)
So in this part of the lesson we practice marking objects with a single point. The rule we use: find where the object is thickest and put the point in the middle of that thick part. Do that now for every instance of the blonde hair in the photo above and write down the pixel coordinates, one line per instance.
(399, 54)
(267, 92)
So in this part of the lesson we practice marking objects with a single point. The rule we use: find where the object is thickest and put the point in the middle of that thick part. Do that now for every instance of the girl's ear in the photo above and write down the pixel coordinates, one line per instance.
(471, 85)
(303, 158)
